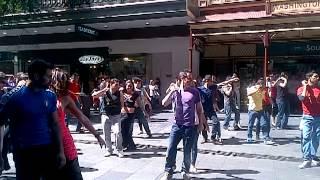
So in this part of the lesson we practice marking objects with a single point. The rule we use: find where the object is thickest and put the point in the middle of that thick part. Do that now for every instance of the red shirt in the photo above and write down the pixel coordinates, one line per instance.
(70, 150)
(273, 92)
(74, 88)
(266, 99)
(311, 103)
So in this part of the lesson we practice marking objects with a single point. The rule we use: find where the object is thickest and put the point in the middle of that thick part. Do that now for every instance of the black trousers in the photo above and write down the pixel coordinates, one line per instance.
(35, 163)
(71, 171)
(127, 120)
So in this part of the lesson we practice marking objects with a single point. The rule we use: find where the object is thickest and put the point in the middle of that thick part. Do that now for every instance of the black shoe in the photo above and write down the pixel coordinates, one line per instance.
(6, 166)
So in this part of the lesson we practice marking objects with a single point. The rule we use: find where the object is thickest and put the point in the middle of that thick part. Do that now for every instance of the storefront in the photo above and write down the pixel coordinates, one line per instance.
(233, 32)
(90, 63)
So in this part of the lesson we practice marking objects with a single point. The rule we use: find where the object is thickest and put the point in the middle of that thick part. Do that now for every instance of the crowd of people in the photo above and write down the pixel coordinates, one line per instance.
(35, 110)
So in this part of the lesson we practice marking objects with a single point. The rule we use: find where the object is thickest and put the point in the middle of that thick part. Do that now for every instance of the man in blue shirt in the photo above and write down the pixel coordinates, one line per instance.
(33, 121)
(208, 93)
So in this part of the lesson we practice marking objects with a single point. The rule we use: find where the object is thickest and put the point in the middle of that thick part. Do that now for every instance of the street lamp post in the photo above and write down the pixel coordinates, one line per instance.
(190, 50)
(266, 38)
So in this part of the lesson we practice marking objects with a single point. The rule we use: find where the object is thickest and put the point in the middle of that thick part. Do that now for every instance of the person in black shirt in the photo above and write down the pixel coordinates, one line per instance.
(131, 100)
(282, 101)
(142, 119)
(110, 109)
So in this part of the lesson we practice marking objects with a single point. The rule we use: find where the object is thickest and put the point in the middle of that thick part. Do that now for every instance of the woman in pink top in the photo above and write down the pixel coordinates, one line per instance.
(71, 171)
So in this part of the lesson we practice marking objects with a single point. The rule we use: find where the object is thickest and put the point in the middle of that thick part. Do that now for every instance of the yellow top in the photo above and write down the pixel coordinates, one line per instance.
(255, 100)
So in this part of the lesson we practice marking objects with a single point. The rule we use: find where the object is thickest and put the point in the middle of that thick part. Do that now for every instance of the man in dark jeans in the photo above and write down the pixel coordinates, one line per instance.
(142, 120)
(34, 126)
(230, 106)
(187, 100)
(208, 93)
(282, 101)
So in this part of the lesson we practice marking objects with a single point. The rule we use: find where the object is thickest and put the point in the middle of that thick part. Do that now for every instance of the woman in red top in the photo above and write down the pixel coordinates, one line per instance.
(71, 171)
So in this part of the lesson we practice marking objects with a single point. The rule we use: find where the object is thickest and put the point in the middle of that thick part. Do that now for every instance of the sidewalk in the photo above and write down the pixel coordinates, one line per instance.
(234, 160)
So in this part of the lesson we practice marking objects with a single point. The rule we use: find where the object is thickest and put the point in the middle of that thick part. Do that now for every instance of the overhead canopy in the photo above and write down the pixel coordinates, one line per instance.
(252, 22)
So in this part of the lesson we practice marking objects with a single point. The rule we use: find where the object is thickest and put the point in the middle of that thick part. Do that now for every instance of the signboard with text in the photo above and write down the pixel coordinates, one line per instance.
(308, 48)
(278, 7)
(86, 30)
(91, 59)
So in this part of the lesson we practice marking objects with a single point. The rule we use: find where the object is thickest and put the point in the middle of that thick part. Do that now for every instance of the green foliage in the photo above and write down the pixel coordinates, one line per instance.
(11, 6)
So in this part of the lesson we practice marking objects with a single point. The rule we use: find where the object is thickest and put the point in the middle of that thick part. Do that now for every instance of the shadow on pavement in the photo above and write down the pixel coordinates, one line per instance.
(146, 151)
(284, 141)
(229, 173)
(88, 169)
(143, 155)
(154, 136)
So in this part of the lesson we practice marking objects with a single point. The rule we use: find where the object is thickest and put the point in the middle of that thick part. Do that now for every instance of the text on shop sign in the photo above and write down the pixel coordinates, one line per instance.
(86, 30)
(294, 7)
(91, 59)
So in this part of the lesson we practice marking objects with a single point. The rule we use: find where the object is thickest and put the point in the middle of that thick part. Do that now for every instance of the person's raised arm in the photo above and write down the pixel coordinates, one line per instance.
(100, 92)
(284, 83)
(302, 94)
(71, 107)
(168, 98)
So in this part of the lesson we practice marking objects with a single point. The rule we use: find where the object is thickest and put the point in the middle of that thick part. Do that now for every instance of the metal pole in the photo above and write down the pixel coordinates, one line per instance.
(266, 43)
(265, 64)
(190, 50)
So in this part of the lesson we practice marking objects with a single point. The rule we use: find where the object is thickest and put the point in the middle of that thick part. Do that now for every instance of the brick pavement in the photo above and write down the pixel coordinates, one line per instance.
(234, 160)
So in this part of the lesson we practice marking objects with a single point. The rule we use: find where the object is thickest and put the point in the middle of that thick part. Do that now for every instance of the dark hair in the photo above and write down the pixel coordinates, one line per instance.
(136, 79)
(260, 81)
(60, 82)
(125, 85)
(310, 74)
(114, 80)
(38, 67)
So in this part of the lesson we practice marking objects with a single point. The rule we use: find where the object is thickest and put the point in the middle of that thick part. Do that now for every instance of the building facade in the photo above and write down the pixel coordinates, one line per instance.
(134, 38)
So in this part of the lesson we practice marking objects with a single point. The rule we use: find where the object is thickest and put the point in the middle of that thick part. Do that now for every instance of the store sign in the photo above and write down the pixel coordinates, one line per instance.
(86, 30)
(293, 6)
(91, 59)
(292, 49)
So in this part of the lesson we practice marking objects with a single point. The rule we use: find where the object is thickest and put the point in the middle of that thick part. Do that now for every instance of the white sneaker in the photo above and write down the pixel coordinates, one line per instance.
(269, 142)
(107, 154)
(305, 164)
(166, 176)
(315, 163)
(120, 154)
(185, 176)
(193, 169)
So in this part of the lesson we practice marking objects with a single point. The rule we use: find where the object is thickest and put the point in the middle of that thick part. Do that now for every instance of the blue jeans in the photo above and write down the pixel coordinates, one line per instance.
(310, 136)
(261, 123)
(216, 130)
(178, 133)
(194, 150)
(229, 108)
(283, 113)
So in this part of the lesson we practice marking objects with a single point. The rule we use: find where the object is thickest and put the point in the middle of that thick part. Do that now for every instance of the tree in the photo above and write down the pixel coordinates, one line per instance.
(11, 6)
